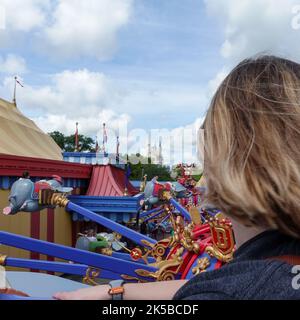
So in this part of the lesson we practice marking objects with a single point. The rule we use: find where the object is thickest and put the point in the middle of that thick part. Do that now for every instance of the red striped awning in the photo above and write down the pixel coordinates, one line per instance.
(108, 180)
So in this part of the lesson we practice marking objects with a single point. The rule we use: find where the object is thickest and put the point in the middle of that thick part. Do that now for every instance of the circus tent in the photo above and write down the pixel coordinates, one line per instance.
(20, 136)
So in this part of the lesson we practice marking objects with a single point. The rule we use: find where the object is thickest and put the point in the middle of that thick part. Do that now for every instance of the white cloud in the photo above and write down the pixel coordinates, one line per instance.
(161, 102)
(24, 15)
(90, 98)
(255, 26)
(76, 93)
(86, 28)
(70, 28)
(71, 96)
(89, 125)
(13, 64)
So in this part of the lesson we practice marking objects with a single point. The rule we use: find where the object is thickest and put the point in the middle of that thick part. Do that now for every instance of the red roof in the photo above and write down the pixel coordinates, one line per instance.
(108, 180)
(15, 166)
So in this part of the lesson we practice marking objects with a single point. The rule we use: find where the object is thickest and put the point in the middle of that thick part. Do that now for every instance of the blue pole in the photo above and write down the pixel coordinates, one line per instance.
(154, 216)
(146, 213)
(126, 256)
(165, 218)
(76, 255)
(181, 209)
(63, 267)
(124, 231)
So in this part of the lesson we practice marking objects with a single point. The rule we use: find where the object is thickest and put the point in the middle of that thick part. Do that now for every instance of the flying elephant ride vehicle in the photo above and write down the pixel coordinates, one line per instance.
(201, 241)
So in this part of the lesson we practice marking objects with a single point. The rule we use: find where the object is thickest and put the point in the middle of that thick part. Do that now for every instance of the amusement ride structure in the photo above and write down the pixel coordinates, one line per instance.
(201, 240)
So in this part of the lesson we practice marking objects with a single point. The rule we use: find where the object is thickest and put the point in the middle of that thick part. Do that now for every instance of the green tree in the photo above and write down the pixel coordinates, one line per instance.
(85, 143)
(67, 143)
(59, 138)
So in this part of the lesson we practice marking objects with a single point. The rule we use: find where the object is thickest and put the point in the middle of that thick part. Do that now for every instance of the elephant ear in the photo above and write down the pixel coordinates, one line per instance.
(178, 187)
(149, 189)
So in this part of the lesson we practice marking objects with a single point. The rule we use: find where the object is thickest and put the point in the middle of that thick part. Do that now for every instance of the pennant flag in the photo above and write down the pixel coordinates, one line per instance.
(17, 81)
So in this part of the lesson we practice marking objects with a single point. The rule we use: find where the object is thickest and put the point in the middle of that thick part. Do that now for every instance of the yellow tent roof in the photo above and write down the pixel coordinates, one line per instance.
(20, 136)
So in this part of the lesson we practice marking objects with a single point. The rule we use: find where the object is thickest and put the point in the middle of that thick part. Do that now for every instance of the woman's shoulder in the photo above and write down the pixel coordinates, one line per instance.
(243, 280)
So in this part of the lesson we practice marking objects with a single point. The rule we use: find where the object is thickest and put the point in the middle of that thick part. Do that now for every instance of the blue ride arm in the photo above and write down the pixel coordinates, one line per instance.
(114, 226)
(53, 266)
(126, 256)
(72, 254)
(147, 213)
(181, 209)
(154, 216)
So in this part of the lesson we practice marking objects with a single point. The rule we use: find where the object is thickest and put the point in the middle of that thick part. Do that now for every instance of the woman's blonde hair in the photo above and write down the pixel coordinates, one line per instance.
(252, 144)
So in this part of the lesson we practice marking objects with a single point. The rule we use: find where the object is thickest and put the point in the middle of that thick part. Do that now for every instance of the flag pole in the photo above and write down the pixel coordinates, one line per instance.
(104, 140)
(96, 145)
(15, 92)
(117, 151)
(76, 138)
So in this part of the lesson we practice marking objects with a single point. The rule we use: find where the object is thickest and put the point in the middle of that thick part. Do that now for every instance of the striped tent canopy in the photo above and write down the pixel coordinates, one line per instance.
(109, 181)
(20, 136)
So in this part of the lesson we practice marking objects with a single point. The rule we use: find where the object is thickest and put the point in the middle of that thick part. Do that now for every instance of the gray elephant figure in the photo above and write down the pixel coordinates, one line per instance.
(153, 189)
(24, 194)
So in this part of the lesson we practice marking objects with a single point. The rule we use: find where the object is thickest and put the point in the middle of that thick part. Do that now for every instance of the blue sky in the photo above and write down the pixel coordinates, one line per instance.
(165, 44)
(148, 63)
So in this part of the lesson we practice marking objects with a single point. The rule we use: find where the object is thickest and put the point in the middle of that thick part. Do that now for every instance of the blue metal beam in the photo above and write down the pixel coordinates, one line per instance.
(116, 227)
(147, 213)
(63, 267)
(181, 209)
(76, 255)
(154, 216)
(126, 256)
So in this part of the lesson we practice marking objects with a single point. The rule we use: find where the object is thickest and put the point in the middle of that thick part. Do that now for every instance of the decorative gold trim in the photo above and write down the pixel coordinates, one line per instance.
(166, 195)
(147, 243)
(164, 273)
(183, 235)
(59, 199)
(202, 265)
(195, 215)
(90, 276)
(3, 258)
(157, 250)
(214, 252)
(50, 197)
(222, 240)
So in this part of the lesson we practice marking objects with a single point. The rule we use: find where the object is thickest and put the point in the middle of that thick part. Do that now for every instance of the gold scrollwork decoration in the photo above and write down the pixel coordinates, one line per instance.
(164, 272)
(90, 276)
(202, 265)
(214, 252)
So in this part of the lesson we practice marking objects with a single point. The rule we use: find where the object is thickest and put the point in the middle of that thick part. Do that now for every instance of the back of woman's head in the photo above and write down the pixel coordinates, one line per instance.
(252, 144)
